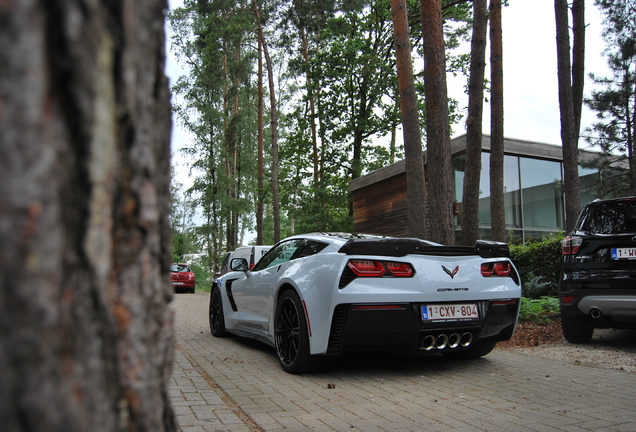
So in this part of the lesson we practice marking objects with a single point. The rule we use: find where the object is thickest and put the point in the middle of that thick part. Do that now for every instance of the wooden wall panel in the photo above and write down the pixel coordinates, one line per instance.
(381, 208)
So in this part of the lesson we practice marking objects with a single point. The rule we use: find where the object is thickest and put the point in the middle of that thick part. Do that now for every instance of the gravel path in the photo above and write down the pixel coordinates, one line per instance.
(609, 348)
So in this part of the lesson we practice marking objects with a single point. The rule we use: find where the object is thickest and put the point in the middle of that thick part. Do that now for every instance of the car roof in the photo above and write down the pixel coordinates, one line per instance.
(610, 200)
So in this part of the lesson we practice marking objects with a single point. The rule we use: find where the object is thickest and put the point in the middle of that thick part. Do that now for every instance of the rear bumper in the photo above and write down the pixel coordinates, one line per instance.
(608, 297)
(183, 286)
(606, 308)
(402, 328)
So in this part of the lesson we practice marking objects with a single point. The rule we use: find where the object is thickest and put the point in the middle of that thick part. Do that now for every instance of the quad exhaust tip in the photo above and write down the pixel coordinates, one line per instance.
(444, 341)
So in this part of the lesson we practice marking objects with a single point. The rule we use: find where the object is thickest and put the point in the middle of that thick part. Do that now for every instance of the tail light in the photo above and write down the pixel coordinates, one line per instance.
(571, 245)
(372, 268)
(498, 268)
(399, 269)
(366, 268)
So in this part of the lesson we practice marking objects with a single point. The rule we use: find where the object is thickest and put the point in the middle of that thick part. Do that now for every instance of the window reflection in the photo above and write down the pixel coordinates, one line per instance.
(542, 203)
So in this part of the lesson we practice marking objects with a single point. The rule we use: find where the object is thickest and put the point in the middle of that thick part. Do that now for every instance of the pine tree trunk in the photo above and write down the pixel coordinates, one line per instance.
(437, 126)
(86, 336)
(470, 208)
(497, 207)
(273, 125)
(578, 61)
(569, 139)
(415, 183)
(260, 185)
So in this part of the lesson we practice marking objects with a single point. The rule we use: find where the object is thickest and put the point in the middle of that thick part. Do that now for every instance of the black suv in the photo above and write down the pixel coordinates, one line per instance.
(598, 281)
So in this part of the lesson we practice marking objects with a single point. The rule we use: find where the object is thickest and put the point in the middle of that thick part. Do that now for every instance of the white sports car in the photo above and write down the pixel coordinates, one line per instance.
(314, 296)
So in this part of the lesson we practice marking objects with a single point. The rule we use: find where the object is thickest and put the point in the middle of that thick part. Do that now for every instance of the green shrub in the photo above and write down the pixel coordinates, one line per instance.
(540, 311)
(539, 265)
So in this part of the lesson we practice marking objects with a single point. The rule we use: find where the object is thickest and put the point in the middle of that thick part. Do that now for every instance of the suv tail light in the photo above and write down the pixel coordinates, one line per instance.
(498, 268)
(571, 245)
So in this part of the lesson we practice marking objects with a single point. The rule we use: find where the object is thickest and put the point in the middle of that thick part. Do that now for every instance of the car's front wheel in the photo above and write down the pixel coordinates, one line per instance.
(291, 336)
(577, 329)
(217, 318)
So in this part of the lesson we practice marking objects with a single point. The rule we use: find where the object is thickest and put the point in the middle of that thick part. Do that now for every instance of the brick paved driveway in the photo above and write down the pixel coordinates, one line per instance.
(234, 384)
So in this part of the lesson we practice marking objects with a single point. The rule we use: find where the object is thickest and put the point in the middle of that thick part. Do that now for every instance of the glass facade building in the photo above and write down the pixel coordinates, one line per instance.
(533, 193)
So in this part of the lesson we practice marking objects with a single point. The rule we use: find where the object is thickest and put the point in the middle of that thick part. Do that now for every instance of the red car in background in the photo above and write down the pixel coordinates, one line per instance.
(182, 278)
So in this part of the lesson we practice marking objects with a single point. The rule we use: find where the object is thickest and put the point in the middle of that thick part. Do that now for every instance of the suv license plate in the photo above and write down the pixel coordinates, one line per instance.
(624, 253)
(450, 312)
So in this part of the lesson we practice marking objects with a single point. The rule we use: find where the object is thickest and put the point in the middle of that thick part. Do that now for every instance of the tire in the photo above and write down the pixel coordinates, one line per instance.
(291, 337)
(577, 329)
(217, 317)
(477, 349)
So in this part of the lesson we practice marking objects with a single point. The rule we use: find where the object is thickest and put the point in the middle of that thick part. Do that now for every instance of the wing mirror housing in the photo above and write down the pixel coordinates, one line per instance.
(239, 264)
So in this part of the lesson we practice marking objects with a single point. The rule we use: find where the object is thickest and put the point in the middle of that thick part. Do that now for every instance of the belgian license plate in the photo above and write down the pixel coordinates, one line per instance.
(624, 253)
(453, 312)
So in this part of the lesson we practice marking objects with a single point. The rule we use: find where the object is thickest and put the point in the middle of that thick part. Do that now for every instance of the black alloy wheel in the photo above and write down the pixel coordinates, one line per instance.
(217, 318)
(291, 335)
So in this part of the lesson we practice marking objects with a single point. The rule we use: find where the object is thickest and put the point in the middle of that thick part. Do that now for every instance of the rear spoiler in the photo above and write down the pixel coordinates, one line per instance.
(397, 247)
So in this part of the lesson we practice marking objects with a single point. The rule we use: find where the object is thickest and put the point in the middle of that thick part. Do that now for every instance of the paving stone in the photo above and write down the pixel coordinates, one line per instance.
(236, 385)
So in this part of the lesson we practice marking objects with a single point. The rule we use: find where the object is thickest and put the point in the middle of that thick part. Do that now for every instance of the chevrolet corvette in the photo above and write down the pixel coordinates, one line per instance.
(315, 296)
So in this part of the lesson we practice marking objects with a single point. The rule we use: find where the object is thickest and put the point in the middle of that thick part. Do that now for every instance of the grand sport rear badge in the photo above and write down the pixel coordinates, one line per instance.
(451, 273)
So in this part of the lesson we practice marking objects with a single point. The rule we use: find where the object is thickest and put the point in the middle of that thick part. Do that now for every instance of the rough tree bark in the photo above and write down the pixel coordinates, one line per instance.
(260, 180)
(497, 208)
(415, 182)
(437, 127)
(569, 138)
(86, 336)
(470, 196)
(578, 61)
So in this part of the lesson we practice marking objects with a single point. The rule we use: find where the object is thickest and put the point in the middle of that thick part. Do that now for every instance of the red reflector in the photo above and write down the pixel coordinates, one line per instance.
(366, 307)
(399, 269)
(504, 302)
(366, 267)
(567, 299)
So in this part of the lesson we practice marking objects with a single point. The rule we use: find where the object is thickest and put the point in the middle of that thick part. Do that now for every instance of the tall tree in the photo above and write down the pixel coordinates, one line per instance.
(615, 103)
(86, 337)
(414, 159)
(215, 103)
(497, 208)
(260, 183)
(569, 134)
(437, 125)
(470, 210)
(273, 121)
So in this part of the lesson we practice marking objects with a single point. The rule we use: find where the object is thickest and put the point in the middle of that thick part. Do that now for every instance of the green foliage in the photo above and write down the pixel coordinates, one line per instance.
(540, 311)
(539, 265)
(335, 55)
(202, 276)
(613, 132)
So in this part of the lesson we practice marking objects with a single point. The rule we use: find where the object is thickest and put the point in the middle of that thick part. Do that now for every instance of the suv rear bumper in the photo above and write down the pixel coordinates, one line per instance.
(603, 308)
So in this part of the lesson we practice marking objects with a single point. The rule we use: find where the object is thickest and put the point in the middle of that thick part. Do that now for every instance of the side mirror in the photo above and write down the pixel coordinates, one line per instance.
(239, 264)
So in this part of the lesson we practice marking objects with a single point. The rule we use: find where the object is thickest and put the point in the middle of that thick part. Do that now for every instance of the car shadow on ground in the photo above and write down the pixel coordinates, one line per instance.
(366, 362)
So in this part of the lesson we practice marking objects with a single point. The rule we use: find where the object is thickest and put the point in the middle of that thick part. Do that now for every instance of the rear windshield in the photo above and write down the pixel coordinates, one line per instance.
(610, 218)
(179, 268)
